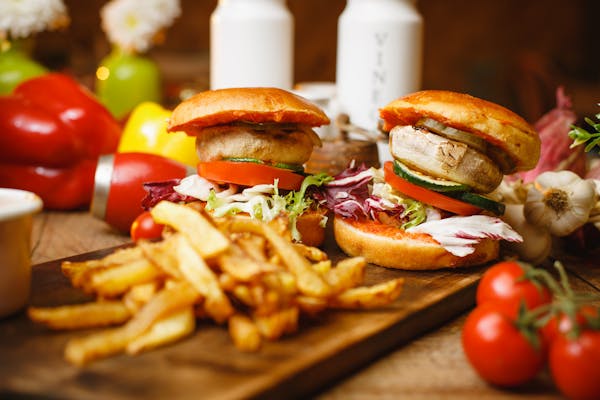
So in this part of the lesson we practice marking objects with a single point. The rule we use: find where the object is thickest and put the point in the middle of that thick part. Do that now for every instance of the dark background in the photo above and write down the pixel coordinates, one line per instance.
(514, 52)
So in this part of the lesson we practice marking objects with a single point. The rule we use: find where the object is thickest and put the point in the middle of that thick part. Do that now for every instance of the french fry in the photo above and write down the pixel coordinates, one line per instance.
(164, 331)
(111, 282)
(348, 273)
(80, 351)
(369, 296)
(162, 255)
(79, 272)
(253, 245)
(244, 333)
(202, 278)
(236, 262)
(139, 295)
(310, 252)
(276, 324)
(81, 316)
(309, 281)
(311, 305)
(175, 297)
(207, 240)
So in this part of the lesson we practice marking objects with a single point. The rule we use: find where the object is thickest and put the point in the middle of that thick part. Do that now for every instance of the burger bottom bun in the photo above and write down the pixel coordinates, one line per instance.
(395, 248)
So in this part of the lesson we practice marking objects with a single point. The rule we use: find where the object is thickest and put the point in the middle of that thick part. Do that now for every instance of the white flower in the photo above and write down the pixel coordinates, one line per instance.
(133, 24)
(21, 18)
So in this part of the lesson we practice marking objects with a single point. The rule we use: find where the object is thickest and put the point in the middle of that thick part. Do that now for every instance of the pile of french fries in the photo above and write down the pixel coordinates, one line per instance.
(237, 271)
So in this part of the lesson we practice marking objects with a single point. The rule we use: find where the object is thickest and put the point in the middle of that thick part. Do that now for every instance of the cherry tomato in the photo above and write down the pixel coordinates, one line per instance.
(504, 283)
(144, 227)
(496, 348)
(575, 365)
(562, 324)
(249, 174)
(425, 195)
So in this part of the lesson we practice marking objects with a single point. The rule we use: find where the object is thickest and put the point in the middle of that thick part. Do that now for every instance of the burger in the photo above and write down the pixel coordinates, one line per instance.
(433, 205)
(251, 145)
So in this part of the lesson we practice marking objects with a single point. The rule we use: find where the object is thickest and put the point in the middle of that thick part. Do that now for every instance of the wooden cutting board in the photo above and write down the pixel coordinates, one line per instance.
(207, 365)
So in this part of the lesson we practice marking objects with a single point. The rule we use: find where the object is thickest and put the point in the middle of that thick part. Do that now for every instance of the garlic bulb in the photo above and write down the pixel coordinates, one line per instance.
(537, 242)
(560, 202)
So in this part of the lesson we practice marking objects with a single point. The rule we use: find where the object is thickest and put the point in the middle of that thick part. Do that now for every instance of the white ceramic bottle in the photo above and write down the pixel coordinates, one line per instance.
(379, 57)
(251, 44)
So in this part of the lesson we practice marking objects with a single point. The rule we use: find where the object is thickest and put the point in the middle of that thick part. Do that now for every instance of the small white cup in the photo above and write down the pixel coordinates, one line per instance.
(16, 219)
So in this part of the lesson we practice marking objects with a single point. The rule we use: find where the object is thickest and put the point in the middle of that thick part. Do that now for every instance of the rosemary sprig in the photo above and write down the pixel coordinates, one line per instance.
(580, 135)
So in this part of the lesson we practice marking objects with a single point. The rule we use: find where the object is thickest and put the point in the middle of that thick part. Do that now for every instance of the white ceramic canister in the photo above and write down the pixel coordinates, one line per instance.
(17, 208)
(251, 44)
(379, 57)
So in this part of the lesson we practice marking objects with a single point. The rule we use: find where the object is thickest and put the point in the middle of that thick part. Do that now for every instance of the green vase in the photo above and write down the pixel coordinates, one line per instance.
(124, 80)
(16, 66)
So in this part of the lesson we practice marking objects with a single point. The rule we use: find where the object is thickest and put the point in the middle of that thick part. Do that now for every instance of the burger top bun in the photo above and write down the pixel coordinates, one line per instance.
(494, 123)
(255, 105)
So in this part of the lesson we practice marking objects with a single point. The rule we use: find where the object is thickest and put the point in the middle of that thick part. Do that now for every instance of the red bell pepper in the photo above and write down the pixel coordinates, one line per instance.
(52, 131)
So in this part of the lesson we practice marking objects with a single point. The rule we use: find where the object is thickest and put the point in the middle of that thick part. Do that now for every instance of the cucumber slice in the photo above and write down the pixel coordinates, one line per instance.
(292, 167)
(479, 201)
(428, 182)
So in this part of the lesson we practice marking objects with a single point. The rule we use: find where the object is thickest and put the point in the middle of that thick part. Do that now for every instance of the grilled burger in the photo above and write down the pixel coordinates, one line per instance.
(252, 144)
(429, 207)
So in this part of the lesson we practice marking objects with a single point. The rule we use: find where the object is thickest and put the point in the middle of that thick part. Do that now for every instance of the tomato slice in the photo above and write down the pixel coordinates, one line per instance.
(249, 174)
(425, 195)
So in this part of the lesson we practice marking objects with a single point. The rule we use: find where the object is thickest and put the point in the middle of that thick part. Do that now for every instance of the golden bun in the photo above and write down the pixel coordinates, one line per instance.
(255, 105)
(494, 123)
(395, 248)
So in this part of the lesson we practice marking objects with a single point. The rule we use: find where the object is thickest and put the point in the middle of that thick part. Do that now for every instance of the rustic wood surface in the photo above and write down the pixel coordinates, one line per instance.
(381, 354)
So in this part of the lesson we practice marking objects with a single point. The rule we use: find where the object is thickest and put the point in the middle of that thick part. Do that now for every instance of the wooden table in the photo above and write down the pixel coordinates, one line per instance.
(431, 366)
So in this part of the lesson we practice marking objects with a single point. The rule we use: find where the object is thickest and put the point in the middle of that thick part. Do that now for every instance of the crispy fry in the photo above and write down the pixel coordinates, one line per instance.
(369, 296)
(80, 351)
(309, 282)
(253, 245)
(203, 279)
(80, 316)
(164, 331)
(276, 324)
(236, 262)
(139, 295)
(79, 272)
(207, 240)
(111, 282)
(347, 273)
(310, 252)
(162, 255)
(244, 333)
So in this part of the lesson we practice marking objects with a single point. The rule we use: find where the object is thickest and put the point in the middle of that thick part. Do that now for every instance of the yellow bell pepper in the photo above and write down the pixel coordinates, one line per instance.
(146, 132)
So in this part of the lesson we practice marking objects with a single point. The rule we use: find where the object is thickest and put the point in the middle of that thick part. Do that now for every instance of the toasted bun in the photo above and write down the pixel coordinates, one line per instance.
(494, 123)
(394, 248)
(256, 105)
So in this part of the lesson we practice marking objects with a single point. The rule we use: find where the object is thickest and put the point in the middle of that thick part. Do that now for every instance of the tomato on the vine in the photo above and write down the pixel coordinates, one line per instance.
(562, 324)
(575, 364)
(509, 284)
(144, 227)
(502, 352)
